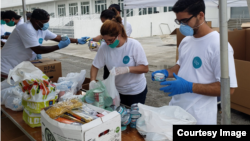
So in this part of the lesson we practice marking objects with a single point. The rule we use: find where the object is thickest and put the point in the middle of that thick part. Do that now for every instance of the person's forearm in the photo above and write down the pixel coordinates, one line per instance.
(212, 89)
(174, 69)
(2, 43)
(138, 69)
(72, 40)
(97, 38)
(4, 36)
(45, 49)
(59, 38)
(93, 73)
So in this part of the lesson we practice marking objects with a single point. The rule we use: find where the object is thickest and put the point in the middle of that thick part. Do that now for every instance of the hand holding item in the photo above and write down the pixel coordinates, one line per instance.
(63, 44)
(178, 86)
(165, 72)
(84, 40)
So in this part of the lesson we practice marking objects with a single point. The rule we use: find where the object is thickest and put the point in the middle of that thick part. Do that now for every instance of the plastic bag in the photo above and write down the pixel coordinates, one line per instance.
(5, 84)
(94, 46)
(156, 124)
(5, 93)
(76, 78)
(14, 100)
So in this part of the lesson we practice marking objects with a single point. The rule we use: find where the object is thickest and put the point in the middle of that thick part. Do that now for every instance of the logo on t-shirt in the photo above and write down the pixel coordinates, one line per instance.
(197, 62)
(126, 60)
(40, 40)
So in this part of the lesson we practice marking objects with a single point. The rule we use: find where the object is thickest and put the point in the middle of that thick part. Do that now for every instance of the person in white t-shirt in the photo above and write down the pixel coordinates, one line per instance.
(128, 58)
(2, 29)
(29, 37)
(198, 69)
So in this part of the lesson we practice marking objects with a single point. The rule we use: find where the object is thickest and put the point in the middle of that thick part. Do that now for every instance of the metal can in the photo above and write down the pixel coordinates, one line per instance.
(121, 110)
(159, 77)
(99, 104)
(98, 94)
(133, 125)
(126, 120)
(135, 114)
(64, 37)
(134, 105)
(128, 111)
(135, 108)
(133, 120)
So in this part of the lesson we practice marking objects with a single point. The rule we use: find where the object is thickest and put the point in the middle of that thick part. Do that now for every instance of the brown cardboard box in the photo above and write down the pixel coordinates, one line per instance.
(51, 68)
(245, 25)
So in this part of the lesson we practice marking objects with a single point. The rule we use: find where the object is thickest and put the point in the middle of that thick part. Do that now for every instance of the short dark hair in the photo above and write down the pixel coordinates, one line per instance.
(2, 13)
(109, 13)
(40, 14)
(116, 6)
(193, 7)
(10, 14)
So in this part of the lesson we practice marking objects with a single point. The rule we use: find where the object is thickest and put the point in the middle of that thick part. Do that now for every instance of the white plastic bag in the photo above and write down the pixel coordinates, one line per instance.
(5, 84)
(156, 124)
(94, 46)
(14, 100)
(111, 88)
(5, 93)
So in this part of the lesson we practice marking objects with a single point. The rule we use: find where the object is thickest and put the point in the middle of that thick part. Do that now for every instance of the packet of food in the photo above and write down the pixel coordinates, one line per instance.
(70, 117)
(67, 121)
(81, 116)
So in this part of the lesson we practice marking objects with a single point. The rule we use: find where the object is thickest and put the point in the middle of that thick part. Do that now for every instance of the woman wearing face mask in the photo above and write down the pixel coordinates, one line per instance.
(2, 29)
(129, 58)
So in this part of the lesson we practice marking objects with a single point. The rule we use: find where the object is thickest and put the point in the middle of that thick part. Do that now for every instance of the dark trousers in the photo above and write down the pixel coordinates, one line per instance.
(106, 73)
(128, 100)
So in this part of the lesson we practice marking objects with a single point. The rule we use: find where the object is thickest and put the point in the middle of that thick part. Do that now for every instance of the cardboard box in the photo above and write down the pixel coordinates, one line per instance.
(91, 131)
(245, 25)
(51, 68)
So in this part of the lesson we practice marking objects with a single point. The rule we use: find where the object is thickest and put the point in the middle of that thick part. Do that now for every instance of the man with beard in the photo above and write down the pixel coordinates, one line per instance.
(198, 69)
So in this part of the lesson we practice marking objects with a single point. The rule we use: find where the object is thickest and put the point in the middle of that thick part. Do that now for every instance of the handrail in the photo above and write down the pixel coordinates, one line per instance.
(164, 24)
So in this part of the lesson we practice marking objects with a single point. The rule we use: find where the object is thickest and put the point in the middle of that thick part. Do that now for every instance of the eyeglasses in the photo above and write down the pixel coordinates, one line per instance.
(183, 21)
(108, 42)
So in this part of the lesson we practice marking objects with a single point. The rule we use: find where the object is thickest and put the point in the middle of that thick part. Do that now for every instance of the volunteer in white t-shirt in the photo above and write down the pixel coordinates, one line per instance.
(29, 37)
(197, 84)
(129, 58)
(2, 29)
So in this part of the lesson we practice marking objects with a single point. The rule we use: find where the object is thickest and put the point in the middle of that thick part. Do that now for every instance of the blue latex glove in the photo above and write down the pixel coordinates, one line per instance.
(39, 56)
(83, 40)
(178, 86)
(63, 44)
(165, 72)
(7, 33)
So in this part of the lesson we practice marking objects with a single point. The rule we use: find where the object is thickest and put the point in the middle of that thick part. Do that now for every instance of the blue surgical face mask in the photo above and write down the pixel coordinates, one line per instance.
(45, 26)
(187, 30)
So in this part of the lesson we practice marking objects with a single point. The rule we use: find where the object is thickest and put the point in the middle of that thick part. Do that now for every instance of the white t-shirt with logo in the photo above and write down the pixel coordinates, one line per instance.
(199, 60)
(17, 49)
(131, 53)
(2, 32)
(128, 28)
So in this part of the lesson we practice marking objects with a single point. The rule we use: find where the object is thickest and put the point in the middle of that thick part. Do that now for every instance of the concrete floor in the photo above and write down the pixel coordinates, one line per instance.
(77, 57)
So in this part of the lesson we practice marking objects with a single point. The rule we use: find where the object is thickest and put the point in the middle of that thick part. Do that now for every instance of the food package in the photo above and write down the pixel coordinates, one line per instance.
(5, 93)
(38, 93)
(67, 121)
(81, 116)
(32, 119)
(94, 46)
(62, 107)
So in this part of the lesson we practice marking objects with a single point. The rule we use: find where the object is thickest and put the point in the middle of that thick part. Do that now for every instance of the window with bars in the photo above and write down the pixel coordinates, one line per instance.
(84, 8)
(100, 5)
(145, 11)
(61, 10)
(130, 12)
(73, 9)
(165, 9)
(170, 9)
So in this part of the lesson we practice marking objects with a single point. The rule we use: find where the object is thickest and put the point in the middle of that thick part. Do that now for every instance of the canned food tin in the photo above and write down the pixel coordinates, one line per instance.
(121, 110)
(128, 111)
(133, 125)
(135, 108)
(98, 95)
(124, 128)
(126, 120)
(99, 104)
(134, 105)
(133, 120)
(159, 77)
(64, 37)
(135, 114)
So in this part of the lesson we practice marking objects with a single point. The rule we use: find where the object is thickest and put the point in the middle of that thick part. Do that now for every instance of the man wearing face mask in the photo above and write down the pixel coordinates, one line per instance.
(198, 69)
(29, 37)
(2, 29)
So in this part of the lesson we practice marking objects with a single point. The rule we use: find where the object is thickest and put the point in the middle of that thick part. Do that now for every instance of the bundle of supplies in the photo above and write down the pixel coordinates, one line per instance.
(129, 116)
(103, 94)
(71, 83)
(72, 112)
(94, 46)
(38, 92)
